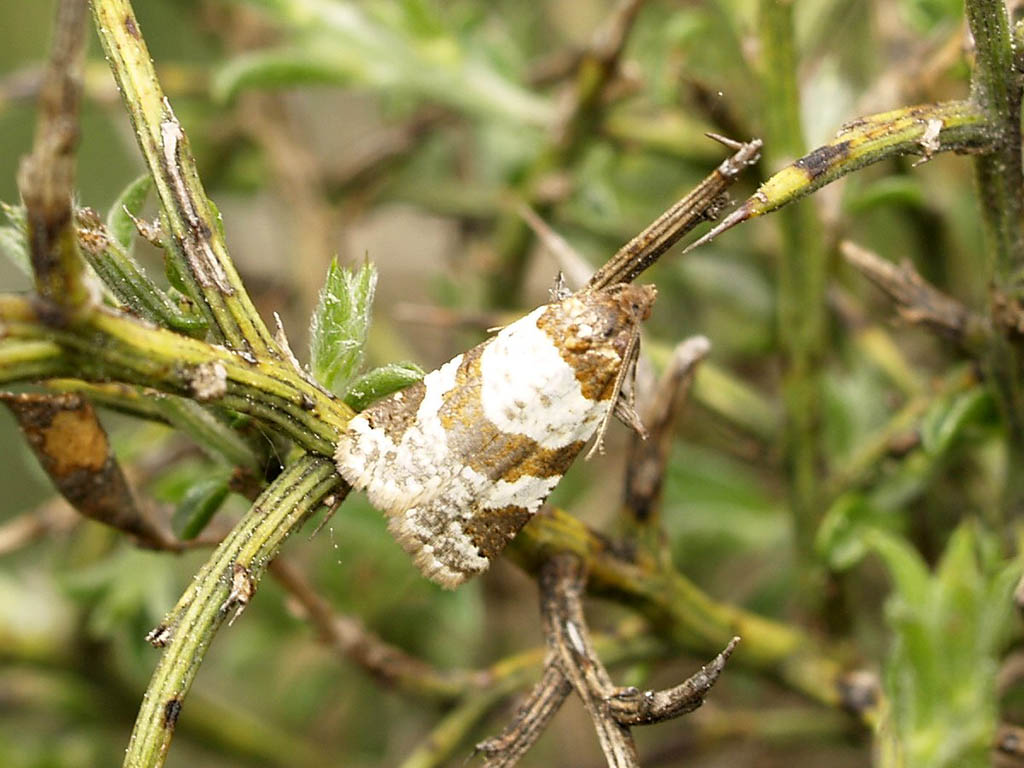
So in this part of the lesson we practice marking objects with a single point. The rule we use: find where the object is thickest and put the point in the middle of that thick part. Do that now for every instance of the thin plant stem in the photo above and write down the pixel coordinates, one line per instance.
(223, 586)
(802, 271)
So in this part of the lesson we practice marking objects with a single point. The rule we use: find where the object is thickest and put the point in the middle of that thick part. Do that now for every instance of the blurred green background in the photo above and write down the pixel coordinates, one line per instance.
(397, 129)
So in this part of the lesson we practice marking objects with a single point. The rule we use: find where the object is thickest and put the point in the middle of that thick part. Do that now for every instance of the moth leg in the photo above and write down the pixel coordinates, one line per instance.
(621, 394)
(625, 403)
(626, 413)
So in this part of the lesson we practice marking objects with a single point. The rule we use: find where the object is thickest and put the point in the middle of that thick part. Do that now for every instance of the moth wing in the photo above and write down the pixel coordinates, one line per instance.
(396, 450)
(455, 534)
(461, 461)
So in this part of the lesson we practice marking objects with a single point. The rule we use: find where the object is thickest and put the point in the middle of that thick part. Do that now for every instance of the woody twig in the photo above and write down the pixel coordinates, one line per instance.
(918, 301)
(352, 640)
(46, 177)
(573, 664)
(701, 204)
(647, 460)
(531, 719)
(561, 587)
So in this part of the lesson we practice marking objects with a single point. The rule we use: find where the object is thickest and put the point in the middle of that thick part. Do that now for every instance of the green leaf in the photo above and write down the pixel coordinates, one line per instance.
(15, 214)
(948, 417)
(127, 205)
(906, 567)
(841, 537)
(339, 325)
(381, 382)
(279, 68)
(893, 190)
(949, 628)
(198, 506)
(13, 246)
(340, 43)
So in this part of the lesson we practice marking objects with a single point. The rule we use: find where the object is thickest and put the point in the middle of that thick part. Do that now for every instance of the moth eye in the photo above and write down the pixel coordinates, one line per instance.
(609, 332)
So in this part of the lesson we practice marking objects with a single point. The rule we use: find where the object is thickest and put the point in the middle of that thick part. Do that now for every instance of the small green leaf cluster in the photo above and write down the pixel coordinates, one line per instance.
(337, 334)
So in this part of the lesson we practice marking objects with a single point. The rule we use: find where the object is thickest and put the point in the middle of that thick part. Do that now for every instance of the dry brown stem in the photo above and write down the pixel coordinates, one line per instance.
(573, 664)
(918, 301)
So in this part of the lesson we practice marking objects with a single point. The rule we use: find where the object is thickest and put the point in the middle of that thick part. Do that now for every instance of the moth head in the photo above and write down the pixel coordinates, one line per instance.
(606, 319)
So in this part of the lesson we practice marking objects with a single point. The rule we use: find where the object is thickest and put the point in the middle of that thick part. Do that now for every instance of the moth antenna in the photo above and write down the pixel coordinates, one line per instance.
(560, 290)
(627, 359)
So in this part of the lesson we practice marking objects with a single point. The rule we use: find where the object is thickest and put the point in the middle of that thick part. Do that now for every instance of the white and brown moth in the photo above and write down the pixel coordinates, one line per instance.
(462, 459)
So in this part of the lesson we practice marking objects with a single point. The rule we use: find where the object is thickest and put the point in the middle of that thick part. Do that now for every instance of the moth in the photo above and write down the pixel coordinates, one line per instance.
(461, 460)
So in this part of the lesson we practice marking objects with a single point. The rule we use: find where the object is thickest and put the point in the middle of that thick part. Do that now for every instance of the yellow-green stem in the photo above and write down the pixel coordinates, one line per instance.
(194, 234)
(278, 512)
(996, 88)
(801, 287)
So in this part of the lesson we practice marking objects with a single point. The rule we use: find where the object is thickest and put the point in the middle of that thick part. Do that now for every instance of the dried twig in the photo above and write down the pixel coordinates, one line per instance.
(531, 718)
(573, 664)
(352, 640)
(918, 301)
(647, 459)
(561, 586)
(46, 177)
(631, 706)
(72, 446)
(701, 204)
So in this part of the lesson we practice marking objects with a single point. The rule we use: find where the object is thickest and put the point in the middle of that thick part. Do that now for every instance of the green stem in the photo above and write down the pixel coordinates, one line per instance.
(683, 613)
(962, 125)
(108, 345)
(128, 282)
(215, 593)
(195, 237)
(996, 88)
(25, 360)
(802, 273)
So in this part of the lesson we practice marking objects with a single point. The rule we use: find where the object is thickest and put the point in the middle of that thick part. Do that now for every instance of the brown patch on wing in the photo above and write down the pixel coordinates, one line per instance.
(461, 405)
(592, 331)
(492, 529)
(395, 416)
(486, 449)
(544, 462)
(595, 370)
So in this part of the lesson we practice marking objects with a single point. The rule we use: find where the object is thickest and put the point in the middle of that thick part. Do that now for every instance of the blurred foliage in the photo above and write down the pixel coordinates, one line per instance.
(286, 103)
